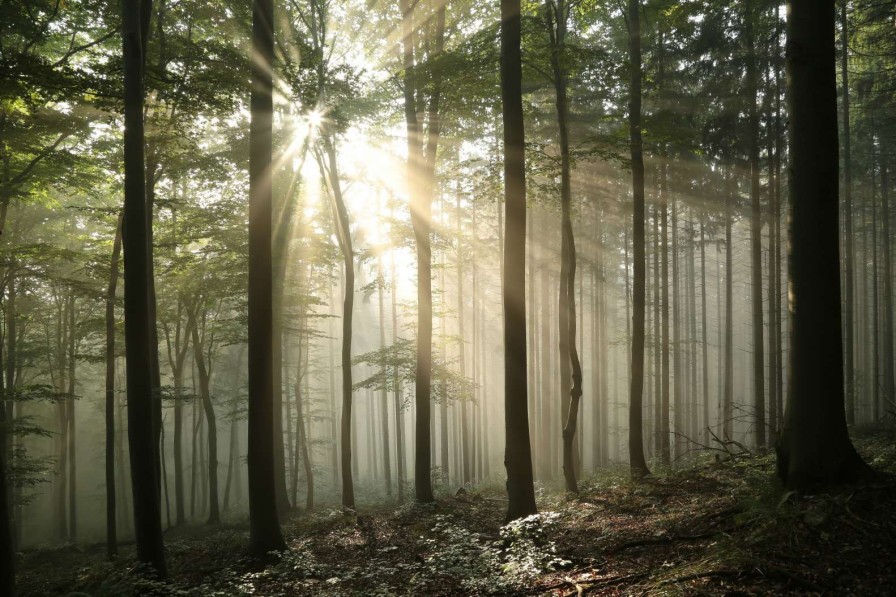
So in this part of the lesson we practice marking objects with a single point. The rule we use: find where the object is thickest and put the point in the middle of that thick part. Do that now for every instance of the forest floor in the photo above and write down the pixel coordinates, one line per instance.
(720, 527)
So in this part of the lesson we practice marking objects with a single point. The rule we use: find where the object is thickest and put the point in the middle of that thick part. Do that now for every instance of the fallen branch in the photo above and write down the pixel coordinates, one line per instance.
(665, 540)
(699, 575)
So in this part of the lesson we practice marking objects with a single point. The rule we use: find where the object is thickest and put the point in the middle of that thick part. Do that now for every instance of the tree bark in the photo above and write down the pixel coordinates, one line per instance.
(517, 454)
(848, 335)
(264, 528)
(637, 462)
(138, 335)
(755, 230)
(343, 236)
(205, 375)
(111, 531)
(815, 448)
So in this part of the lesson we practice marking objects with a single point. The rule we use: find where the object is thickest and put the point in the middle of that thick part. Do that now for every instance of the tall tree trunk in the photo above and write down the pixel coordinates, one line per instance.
(727, 412)
(664, 447)
(384, 394)
(678, 397)
(657, 335)
(637, 462)
(704, 341)
(557, 16)
(848, 306)
(889, 383)
(465, 476)
(233, 465)
(264, 529)
(815, 448)
(343, 236)
(517, 454)
(111, 532)
(7, 551)
(875, 307)
(204, 369)
(70, 420)
(398, 397)
(138, 322)
(773, 320)
(301, 428)
(284, 209)
(755, 230)
(421, 172)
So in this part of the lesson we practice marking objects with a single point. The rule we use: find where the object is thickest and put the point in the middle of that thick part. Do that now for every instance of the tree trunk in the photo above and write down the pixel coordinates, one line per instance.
(889, 383)
(343, 235)
(138, 335)
(7, 551)
(815, 448)
(517, 454)
(678, 397)
(301, 432)
(398, 398)
(264, 529)
(204, 369)
(111, 532)
(704, 342)
(637, 462)
(70, 421)
(727, 412)
(421, 169)
(384, 394)
(755, 230)
(848, 336)
(465, 476)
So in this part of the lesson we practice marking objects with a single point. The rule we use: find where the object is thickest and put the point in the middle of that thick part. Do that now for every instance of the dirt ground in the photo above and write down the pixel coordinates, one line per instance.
(719, 527)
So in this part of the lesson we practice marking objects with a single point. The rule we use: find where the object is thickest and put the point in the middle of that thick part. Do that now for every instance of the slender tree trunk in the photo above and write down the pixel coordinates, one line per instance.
(138, 335)
(264, 529)
(398, 397)
(384, 395)
(755, 231)
(678, 397)
(465, 475)
(204, 369)
(111, 532)
(421, 179)
(875, 309)
(637, 462)
(343, 235)
(301, 429)
(704, 342)
(70, 421)
(443, 403)
(657, 335)
(7, 551)
(889, 383)
(848, 336)
(517, 454)
(728, 401)
(284, 208)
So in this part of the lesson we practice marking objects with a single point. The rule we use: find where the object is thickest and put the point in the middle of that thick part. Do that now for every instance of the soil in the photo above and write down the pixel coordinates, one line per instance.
(720, 526)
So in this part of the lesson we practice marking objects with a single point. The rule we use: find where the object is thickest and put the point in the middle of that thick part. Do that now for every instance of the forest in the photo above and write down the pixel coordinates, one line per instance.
(447, 297)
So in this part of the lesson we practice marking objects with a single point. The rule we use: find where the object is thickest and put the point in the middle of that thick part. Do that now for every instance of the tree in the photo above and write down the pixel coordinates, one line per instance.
(815, 449)
(755, 225)
(135, 245)
(557, 16)
(111, 541)
(635, 425)
(421, 180)
(517, 450)
(264, 527)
